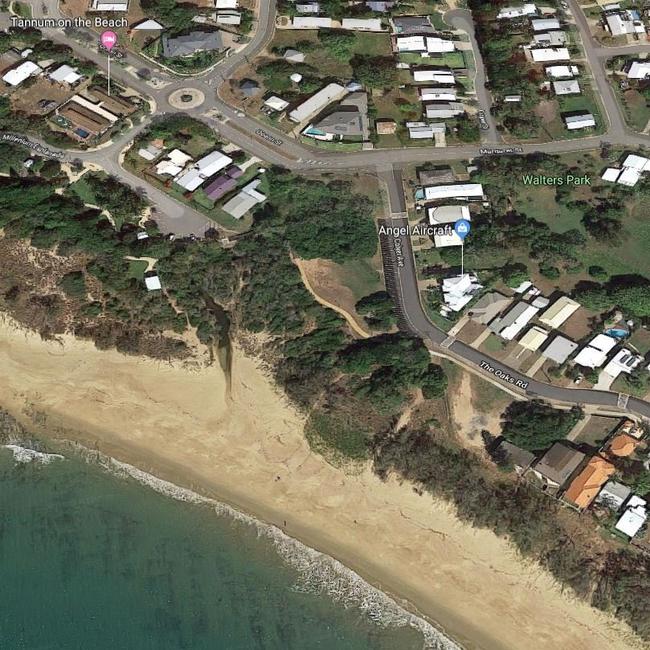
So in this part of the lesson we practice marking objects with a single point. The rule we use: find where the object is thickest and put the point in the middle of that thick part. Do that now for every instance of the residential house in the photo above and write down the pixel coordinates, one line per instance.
(385, 126)
(148, 25)
(444, 77)
(514, 321)
(424, 130)
(623, 361)
(339, 124)
(581, 121)
(276, 103)
(412, 25)
(219, 187)
(528, 9)
(621, 23)
(638, 70)
(552, 39)
(533, 339)
(24, 71)
(566, 87)
(559, 312)
(247, 199)
(459, 290)
(587, 484)
(65, 74)
(557, 466)
(444, 110)
(543, 24)
(152, 282)
(448, 215)
(561, 71)
(202, 170)
(634, 517)
(362, 24)
(613, 495)
(559, 349)
(520, 459)
(437, 94)
(545, 54)
(294, 56)
(317, 102)
(312, 22)
(189, 44)
(109, 5)
(488, 307)
(460, 191)
(595, 353)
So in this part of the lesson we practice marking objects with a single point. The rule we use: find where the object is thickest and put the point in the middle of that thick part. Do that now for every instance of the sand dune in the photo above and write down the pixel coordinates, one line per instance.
(246, 447)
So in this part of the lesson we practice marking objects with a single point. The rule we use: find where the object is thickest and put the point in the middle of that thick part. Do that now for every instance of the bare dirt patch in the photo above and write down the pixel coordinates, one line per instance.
(547, 110)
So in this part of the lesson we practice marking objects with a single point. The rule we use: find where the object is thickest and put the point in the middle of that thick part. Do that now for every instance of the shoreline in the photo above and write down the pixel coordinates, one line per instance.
(246, 449)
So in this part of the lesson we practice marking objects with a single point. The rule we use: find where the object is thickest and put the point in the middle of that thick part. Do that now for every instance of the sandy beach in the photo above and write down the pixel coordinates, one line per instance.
(244, 446)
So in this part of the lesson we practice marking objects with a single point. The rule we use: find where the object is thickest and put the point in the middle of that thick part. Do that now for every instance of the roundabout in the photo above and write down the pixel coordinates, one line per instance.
(186, 98)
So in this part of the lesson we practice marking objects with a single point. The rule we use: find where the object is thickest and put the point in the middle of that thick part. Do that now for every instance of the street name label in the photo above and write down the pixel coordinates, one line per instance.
(62, 23)
(504, 376)
(500, 151)
(569, 179)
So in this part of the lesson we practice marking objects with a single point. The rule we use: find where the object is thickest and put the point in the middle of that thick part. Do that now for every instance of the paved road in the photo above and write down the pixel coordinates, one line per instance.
(462, 19)
(401, 282)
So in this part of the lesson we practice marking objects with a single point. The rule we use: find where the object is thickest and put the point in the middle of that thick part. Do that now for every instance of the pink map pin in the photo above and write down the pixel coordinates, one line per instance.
(108, 40)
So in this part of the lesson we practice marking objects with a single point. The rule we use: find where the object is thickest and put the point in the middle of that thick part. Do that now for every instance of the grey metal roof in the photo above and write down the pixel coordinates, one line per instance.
(191, 43)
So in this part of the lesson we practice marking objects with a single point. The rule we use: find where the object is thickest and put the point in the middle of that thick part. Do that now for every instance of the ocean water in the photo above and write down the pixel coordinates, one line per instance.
(99, 555)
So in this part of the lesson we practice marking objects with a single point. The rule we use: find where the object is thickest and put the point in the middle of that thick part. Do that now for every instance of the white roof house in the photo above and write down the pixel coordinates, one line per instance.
(424, 130)
(527, 9)
(634, 517)
(552, 38)
(108, 5)
(639, 70)
(317, 102)
(248, 198)
(24, 71)
(229, 18)
(226, 4)
(566, 87)
(640, 163)
(624, 22)
(559, 312)
(543, 54)
(96, 108)
(437, 94)
(65, 74)
(410, 44)
(362, 24)
(593, 355)
(179, 157)
(561, 71)
(542, 24)
(582, 121)
(153, 283)
(308, 7)
(438, 76)
(459, 290)
(624, 361)
(202, 170)
(168, 168)
(559, 349)
(510, 325)
(311, 22)
(463, 191)
(439, 45)
(629, 176)
(611, 174)
(276, 103)
(444, 215)
(444, 110)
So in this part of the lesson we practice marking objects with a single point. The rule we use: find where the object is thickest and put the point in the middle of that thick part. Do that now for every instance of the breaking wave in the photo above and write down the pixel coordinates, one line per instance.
(317, 573)
(28, 455)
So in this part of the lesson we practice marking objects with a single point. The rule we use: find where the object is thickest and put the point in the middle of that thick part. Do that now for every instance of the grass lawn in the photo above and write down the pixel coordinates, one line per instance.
(486, 397)
(492, 344)
(641, 341)
(137, 269)
(585, 102)
(635, 105)
(331, 146)
(361, 277)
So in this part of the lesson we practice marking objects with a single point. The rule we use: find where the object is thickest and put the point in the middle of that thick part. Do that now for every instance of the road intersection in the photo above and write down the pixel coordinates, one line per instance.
(277, 148)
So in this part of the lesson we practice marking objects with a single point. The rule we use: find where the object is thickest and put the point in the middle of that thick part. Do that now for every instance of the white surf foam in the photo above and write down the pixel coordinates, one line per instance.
(318, 573)
(27, 455)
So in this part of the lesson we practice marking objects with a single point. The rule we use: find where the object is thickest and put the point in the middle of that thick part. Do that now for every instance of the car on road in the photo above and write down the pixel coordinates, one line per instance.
(483, 123)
